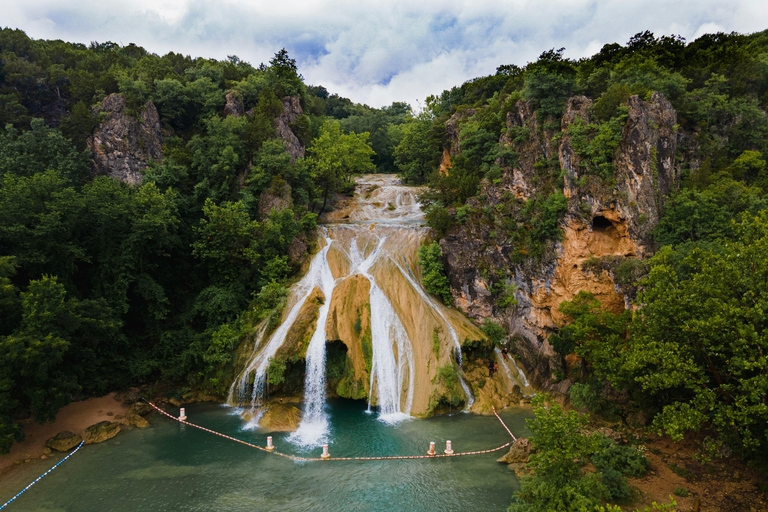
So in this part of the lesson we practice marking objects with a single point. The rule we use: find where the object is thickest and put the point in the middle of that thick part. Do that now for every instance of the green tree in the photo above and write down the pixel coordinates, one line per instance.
(558, 484)
(335, 157)
(433, 273)
(42, 149)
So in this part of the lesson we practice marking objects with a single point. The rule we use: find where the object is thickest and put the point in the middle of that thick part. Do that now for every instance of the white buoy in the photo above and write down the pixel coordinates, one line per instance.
(325, 454)
(431, 451)
(183, 414)
(270, 446)
(448, 450)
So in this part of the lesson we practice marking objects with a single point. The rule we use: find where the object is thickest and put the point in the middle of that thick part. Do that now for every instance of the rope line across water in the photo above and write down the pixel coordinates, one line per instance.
(305, 459)
(41, 476)
(505, 425)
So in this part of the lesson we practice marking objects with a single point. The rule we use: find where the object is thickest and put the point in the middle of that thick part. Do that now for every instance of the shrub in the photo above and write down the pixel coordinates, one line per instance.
(433, 272)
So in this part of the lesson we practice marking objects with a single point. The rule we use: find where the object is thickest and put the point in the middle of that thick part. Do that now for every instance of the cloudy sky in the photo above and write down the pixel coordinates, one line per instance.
(376, 52)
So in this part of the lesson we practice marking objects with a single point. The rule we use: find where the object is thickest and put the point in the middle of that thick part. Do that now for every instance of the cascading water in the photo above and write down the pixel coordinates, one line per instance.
(516, 377)
(259, 363)
(313, 429)
(373, 238)
(451, 331)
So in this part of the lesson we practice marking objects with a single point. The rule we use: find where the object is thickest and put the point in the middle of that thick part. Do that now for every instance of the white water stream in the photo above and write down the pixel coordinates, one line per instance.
(370, 237)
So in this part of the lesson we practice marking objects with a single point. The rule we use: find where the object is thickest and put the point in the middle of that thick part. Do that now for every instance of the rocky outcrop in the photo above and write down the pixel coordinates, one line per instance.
(234, 106)
(603, 220)
(280, 417)
(100, 432)
(122, 145)
(519, 453)
(291, 112)
(63, 441)
(276, 198)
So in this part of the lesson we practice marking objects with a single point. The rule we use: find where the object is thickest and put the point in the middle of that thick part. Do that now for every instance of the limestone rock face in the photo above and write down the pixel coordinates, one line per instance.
(63, 441)
(604, 220)
(122, 145)
(280, 418)
(291, 112)
(100, 432)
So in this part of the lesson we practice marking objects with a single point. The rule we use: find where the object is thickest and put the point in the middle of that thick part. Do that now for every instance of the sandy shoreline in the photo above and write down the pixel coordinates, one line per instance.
(74, 417)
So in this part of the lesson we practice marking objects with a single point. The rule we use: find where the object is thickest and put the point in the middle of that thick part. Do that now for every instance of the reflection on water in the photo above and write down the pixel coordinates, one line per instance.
(166, 468)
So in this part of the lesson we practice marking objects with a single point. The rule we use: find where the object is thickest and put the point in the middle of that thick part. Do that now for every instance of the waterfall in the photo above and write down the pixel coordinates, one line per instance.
(259, 363)
(373, 235)
(387, 333)
(313, 429)
(451, 331)
(515, 378)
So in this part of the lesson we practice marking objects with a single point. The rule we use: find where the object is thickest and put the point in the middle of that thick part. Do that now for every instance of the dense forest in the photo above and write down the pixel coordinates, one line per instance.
(106, 284)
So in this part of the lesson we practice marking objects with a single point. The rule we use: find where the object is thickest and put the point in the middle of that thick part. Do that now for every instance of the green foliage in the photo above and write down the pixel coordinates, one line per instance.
(495, 332)
(507, 295)
(681, 491)
(418, 152)
(550, 83)
(335, 157)
(433, 273)
(597, 335)
(562, 449)
(596, 144)
(696, 345)
(42, 149)
(276, 371)
(589, 395)
(546, 225)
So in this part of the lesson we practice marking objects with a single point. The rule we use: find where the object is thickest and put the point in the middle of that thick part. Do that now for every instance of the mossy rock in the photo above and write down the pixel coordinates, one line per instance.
(63, 441)
(100, 432)
(280, 418)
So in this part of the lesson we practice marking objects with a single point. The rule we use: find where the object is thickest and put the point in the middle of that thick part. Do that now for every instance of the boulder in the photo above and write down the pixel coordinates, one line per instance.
(136, 420)
(63, 441)
(519, 452)
(280, 418)
(100, 432)
(140, 408)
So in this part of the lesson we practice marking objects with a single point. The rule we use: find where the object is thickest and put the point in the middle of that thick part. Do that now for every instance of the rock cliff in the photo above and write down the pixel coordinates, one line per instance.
(122, 145)
(291, 112)
(604, 221)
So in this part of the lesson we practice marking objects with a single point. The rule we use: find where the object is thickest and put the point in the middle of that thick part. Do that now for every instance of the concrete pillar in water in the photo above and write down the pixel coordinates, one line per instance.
(270, 446)
(325, 454)
(448, 450)
(431, 451)
(183, 414)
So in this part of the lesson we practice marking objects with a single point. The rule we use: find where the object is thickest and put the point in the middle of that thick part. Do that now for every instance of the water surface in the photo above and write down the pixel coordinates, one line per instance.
(175, 467)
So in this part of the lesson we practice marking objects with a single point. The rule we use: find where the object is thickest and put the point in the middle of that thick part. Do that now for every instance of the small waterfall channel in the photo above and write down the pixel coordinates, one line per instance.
(373, 238)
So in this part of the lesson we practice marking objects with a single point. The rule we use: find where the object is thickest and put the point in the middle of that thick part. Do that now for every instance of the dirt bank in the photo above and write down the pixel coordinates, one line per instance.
(75, 417)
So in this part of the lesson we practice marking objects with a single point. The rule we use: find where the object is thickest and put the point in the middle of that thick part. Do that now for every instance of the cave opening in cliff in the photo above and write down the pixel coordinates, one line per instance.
(600, 223)
(604, 237)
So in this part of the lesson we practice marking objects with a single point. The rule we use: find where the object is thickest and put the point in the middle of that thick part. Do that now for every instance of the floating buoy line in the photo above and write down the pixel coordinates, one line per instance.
(41, 476)
(270, 448)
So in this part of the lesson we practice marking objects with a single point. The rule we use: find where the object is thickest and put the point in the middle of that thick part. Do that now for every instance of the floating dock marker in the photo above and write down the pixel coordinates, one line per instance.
(448, 450)
(431, 451)
(183, 414)
(270, 446)
(325, 454)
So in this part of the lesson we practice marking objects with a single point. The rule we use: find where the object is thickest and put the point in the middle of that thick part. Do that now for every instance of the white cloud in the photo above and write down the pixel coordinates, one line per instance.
(378, 52)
